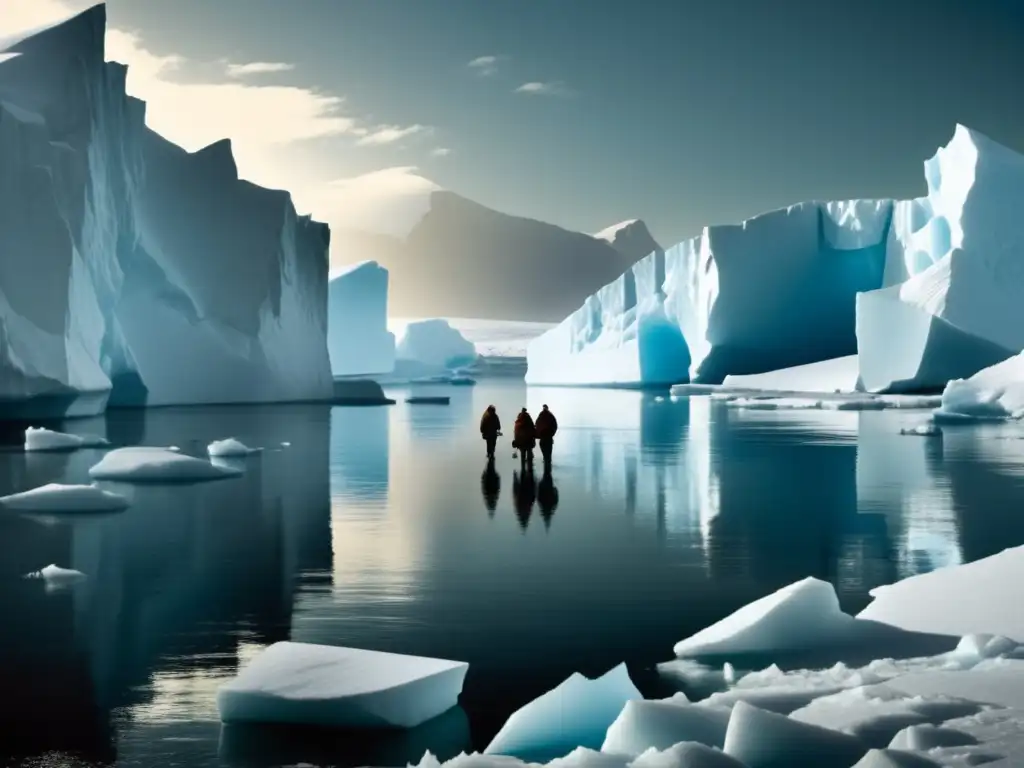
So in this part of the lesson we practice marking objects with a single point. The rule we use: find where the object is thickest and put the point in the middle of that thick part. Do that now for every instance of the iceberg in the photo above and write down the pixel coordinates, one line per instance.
(358, 338)
(42, 439)
(230, 448)
(55, 498)
(304, 684)
(893, 758)
(800, 616)
(128, 264)
(435, 343)
(157, 465)
(644, 724)
(577, 713)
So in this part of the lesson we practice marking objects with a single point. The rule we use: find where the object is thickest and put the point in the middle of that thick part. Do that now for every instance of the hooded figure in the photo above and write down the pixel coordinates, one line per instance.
(546, 427)
(525, 436)
(490, 428)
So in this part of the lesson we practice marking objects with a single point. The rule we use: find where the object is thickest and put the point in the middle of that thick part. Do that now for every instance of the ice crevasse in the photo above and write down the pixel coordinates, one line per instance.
(129, 265)
(921, 291)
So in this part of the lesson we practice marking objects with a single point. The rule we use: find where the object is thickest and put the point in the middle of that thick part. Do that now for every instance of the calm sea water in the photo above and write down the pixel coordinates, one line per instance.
(382, 528)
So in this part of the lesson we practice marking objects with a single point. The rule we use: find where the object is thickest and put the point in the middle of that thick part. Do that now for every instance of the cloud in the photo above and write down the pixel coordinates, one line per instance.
(440, 152)
(388, 201)
(258, 68)
(389, 134)
(552, 88)
(485, 65)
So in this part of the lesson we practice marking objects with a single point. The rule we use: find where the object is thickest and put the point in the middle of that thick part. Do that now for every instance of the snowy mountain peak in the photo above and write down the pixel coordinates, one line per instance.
(631, 238)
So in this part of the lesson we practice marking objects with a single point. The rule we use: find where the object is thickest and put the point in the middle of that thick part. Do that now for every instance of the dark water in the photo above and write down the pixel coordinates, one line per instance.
(373, 529)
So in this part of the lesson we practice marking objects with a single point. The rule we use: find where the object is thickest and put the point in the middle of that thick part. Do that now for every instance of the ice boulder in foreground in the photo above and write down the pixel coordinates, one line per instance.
(644, 724)
(980, 597)
(168, 279)
(358, 338)
(54, 498)
(303, 684)
(800, 616)
(42, 439)
(230, 448)
(435, 343)
(773, 292)
(575, 714)
(157, 465)
(994, 393)
(955, 273)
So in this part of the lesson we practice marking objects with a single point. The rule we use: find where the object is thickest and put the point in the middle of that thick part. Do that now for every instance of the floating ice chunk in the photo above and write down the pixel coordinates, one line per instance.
(979, 597)
(54, 498)
(155, 465)
(644, 724)
(802, 615)
(230, 448)
(435, 342)
(921, 738)
(686, 755)
(928, 429)
(304, 684)
(996, 392)
(42, 439)
(285, 444)
(762, 739)
(57, 576)
(576, 713)
(683, 755)
(888, 758)
(840, 374)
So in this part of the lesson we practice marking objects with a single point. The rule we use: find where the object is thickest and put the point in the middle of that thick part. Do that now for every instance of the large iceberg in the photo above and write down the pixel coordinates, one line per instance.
(134, 271)
(358, 338)
(913, 293)
(435, 343)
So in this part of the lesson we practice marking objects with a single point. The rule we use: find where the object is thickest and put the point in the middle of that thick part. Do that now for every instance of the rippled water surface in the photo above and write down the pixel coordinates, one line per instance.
(382, 528)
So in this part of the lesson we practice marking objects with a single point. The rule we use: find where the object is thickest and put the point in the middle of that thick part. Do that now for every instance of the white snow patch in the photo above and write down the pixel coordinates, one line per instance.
(42, 439)
(230, 448)
(55, 498)
(304, 684)
(145, 465)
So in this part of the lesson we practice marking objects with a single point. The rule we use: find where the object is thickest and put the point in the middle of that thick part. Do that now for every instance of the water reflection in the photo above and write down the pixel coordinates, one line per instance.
(360, 444)
(490, 487)
(524, 495)
(223, 554)
(547, 496)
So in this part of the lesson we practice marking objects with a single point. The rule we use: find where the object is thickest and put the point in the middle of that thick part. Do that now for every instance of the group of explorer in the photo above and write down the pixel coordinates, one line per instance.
(525, 434)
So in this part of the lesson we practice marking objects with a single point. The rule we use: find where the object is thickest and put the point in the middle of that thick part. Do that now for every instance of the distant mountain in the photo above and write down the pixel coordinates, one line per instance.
(465, 260)
(630, 238)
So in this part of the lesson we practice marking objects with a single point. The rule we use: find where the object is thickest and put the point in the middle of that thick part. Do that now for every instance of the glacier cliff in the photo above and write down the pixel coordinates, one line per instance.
(358, 338)
(919, 291)
(134, 271)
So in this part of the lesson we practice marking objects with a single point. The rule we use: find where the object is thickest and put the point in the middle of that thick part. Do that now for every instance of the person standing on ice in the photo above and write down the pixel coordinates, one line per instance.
(524, 437)
(490, 429)
(545, 427)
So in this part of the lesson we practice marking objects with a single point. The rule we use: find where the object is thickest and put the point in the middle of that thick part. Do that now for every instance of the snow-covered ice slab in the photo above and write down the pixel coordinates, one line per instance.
(42, 439)
(994, 393)
(140, 464)
(980, 597)
(575, 714)
(303, 684)
(230, 447)
(435, 343)
(802, 615)
(358, 338)
(839, 375)
(952, 302)
(56, 498)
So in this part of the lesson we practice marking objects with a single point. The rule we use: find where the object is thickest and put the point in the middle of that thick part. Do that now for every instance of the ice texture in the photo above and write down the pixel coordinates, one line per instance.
(304, 684)
(643, 724)
(55, 498)
(358, 338)
(131, 269)
(42, 439)
(435, 343)
(980, 597)
(230, 447)
(773, 292)
(951, 305)
(157, 465)
(799, 616)
(575, 714)
(994, 393)
(876, 295)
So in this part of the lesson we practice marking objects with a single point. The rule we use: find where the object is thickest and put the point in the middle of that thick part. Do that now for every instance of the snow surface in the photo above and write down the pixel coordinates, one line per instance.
(435, 343)
(230, 447)
(156, 465)
(304, 684)
(42, 439)
(608, 233)
(358, 338)
(55, 498)
(577, 713)
(166, 264)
